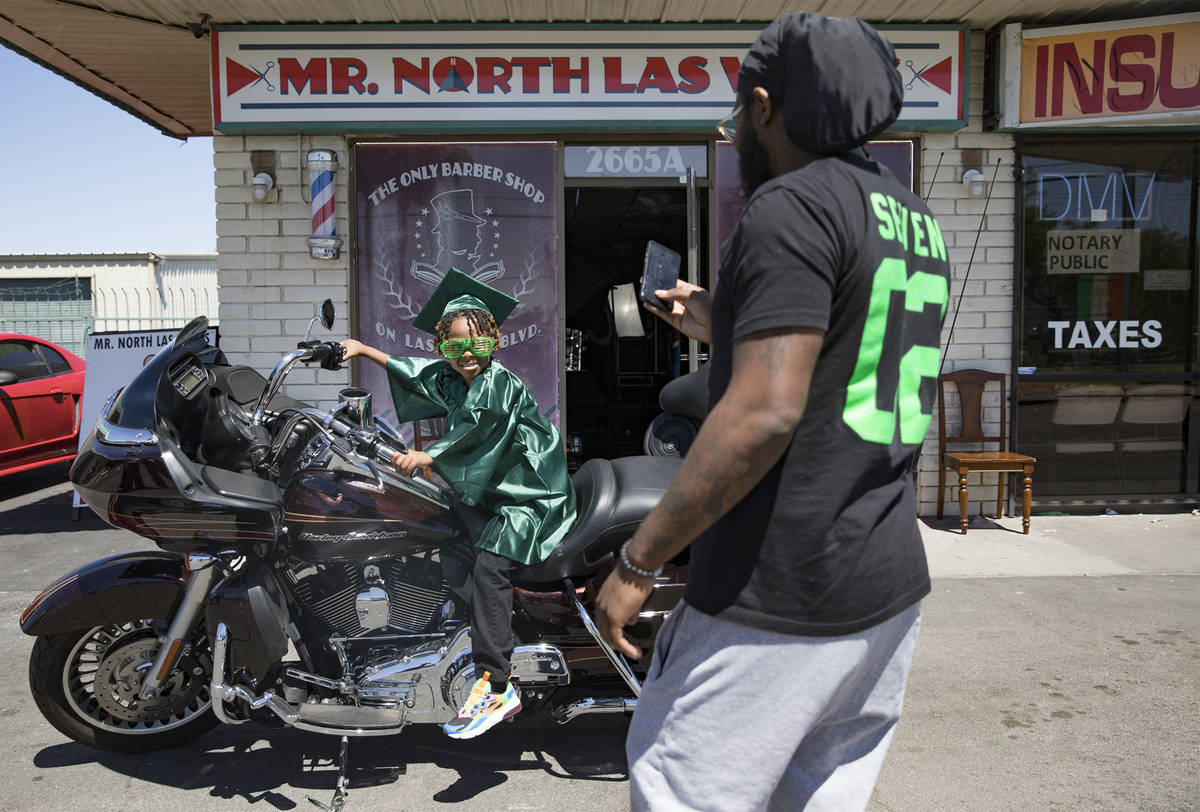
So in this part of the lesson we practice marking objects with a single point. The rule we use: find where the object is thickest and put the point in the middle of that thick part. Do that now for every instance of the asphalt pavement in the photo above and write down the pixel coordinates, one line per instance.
(1058, 670)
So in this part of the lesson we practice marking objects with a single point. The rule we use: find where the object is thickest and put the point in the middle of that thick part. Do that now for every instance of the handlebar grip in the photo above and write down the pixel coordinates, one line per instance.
(328, 353)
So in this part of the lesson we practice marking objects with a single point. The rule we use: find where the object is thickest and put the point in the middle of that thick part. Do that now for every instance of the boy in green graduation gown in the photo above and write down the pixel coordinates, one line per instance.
(501, 456)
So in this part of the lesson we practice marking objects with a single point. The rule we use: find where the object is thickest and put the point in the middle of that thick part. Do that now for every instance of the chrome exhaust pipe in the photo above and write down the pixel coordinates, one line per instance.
(290, 714)
(583, 707)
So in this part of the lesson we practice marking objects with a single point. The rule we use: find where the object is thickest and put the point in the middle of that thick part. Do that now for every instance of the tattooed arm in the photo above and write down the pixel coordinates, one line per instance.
(744, 435)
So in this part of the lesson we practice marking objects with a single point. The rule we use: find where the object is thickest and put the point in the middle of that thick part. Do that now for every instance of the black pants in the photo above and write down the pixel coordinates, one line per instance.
(482, 579)
(491, 617)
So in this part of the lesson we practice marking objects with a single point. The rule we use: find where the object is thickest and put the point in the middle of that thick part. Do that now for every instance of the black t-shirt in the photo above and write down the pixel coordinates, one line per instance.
(827, 543)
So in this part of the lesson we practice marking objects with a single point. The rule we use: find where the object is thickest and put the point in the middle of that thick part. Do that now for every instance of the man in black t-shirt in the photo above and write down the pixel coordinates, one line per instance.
(778, 680)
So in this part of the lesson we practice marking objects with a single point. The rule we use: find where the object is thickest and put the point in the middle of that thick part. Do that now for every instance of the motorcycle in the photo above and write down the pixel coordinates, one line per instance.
(301, 580)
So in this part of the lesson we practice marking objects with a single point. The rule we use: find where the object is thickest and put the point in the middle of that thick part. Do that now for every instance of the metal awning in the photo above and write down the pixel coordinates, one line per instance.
(151, 57)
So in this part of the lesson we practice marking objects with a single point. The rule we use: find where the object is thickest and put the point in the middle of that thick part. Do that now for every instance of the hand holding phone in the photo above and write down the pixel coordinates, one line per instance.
(660, 271)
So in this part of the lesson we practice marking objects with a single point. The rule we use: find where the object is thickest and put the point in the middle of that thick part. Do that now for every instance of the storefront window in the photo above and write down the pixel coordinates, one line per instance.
(1108, 316)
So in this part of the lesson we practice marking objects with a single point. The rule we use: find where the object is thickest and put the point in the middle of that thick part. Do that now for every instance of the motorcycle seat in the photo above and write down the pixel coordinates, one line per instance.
(612, 497)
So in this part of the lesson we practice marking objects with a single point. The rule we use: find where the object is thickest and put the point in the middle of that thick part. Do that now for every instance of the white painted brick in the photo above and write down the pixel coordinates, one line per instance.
(316, 293)
(250, 295)
(247, 228)
(264, 327)
(251, 262)
(227, 279)
(330, 276)
(999, 352)
(938, 141)
(284, 278)
(234, 194)
(966, 321)
(986, 270)
(229, 143)
(999, 318)
(234, 312)
(297, 228)
(268, 245)
(289, 310)
(231, 160)
(231, 342)
(279, 143)
(963, 351)
(229, 177)
(230, 211)
(277, 344)
(982, 303)
(991, 335)
(999, 287)
(305, 260)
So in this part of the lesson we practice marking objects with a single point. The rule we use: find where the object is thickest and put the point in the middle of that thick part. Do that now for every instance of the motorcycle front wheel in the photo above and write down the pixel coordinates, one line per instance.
(86, 683)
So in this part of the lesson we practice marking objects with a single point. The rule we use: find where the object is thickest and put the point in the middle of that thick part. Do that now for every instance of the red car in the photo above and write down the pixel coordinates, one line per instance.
(41, 392)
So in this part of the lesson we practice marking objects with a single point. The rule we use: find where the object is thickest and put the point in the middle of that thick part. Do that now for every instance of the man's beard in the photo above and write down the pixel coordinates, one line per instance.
(753, 164)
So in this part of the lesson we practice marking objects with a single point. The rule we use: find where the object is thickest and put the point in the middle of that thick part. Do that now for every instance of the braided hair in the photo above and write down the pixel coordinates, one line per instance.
(480, 323)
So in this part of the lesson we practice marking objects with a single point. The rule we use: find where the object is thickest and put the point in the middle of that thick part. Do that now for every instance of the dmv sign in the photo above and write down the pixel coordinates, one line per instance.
(371, 79)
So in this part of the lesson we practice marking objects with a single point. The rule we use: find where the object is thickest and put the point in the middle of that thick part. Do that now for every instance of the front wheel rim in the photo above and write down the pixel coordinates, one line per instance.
(103, 674)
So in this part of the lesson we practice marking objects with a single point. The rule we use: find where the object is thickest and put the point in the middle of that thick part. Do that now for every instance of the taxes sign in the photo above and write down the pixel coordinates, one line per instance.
(372, 79)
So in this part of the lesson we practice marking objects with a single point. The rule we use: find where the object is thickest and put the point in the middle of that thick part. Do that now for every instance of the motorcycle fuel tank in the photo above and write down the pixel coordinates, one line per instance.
(339, 515)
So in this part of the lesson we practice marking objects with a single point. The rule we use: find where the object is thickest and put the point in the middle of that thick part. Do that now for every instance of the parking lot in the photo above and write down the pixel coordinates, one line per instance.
(1059, 670)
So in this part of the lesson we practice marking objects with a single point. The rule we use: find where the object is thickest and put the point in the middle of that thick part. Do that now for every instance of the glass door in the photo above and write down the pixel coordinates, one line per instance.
(1107, 374)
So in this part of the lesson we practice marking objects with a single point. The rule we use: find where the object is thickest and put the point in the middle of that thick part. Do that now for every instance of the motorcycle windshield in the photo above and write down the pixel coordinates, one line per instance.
(134, 406)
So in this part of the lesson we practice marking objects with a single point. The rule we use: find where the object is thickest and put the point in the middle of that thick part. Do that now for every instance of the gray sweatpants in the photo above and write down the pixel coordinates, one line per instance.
(736, 718)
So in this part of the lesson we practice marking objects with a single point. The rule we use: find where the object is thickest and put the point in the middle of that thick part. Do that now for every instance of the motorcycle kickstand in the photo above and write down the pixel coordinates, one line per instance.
(341, 792)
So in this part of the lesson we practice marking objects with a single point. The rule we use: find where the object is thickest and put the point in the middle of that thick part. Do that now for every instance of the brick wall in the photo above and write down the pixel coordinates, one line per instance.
(270, 286)
(983, 332)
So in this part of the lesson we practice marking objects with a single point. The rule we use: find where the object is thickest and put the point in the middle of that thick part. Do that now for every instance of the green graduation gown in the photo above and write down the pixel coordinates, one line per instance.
(498, 453)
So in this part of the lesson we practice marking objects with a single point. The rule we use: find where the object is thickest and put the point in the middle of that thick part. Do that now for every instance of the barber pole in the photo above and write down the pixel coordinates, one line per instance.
(324, 242)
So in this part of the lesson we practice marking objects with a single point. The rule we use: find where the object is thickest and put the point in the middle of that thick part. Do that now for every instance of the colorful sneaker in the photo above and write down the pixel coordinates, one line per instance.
(483, 710)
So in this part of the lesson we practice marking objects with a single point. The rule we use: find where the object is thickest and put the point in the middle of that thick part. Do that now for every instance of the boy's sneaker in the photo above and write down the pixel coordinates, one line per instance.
(483, 710)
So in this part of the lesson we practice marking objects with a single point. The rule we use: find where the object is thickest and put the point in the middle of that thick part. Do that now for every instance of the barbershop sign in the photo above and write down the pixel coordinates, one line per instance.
(1144, 71)
(370, 79)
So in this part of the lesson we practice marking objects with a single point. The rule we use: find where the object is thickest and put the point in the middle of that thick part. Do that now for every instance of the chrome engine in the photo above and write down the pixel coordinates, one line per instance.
(426, 683)
(354, 598)
(403, 646)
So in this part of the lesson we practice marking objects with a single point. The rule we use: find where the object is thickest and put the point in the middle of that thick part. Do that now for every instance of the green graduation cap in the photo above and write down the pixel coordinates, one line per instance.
(458, 291)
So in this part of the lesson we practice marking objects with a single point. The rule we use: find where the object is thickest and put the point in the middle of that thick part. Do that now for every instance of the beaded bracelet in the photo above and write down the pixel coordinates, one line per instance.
(623, 557)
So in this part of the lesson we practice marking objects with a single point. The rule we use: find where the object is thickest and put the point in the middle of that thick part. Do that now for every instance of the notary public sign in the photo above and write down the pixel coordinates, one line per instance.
(532, 78)
(1098, 251)
(1131, 71)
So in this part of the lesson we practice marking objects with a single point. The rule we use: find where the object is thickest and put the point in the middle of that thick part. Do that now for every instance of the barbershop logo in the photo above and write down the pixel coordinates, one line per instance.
(484, 219)
(454, 239)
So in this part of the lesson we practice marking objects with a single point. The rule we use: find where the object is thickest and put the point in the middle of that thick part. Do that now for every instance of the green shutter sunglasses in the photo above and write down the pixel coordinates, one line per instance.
(480, 346)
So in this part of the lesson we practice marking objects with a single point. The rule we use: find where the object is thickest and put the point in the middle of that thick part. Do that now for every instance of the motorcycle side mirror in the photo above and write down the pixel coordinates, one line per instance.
(325, 315)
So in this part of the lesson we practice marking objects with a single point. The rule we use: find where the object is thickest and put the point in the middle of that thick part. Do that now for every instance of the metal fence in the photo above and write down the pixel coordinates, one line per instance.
(67, 311)
(59, 311)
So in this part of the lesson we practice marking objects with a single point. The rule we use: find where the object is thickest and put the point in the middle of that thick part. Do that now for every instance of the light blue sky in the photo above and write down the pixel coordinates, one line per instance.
(83, 176)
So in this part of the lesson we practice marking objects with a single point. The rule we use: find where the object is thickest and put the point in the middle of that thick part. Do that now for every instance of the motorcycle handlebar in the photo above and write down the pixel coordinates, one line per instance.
(329, 354)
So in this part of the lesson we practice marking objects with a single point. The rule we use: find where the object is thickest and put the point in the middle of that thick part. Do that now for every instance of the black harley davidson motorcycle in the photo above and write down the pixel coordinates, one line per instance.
(302, 580)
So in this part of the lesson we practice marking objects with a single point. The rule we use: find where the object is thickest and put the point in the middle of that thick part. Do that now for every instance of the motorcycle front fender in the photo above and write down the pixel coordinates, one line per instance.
(131, 586)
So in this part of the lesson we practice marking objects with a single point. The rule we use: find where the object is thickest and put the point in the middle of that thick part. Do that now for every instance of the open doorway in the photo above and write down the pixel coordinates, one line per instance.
(614, 375)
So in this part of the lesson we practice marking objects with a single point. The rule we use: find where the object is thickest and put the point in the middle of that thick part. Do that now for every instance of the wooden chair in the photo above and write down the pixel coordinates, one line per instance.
(970, 384)
(434, 429)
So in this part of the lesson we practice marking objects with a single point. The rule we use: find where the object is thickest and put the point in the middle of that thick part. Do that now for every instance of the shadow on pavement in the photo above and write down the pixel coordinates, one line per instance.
(52, 514)
(278, 767)
(27, 482)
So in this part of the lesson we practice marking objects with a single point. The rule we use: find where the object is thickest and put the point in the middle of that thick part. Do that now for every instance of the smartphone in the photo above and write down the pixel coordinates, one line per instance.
(660, 271)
